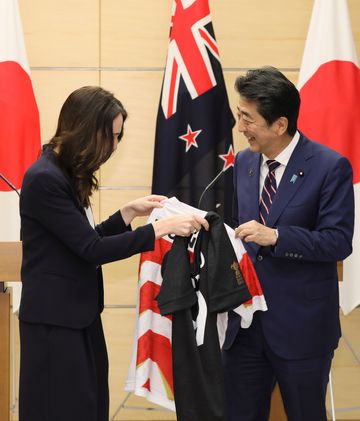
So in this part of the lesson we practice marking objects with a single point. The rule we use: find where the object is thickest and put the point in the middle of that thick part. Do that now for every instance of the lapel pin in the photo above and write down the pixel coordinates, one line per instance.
(301, 173)
(293, 178)
(251, 173)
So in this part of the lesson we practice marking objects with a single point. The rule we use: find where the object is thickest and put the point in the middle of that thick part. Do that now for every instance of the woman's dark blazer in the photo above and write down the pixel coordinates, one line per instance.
(62, 253)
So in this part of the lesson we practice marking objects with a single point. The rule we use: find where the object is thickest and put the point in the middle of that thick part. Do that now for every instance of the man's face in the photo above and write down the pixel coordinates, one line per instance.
(262, 138)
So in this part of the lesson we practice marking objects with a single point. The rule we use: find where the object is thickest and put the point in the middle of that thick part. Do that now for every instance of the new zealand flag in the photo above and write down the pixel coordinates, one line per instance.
(194, 125)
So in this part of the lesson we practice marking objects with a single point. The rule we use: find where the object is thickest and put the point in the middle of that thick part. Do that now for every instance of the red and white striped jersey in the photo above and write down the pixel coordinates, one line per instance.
(150, 372)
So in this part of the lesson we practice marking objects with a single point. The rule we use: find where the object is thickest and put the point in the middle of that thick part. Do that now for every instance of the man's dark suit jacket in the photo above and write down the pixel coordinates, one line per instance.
(62, 253)
(314, 212)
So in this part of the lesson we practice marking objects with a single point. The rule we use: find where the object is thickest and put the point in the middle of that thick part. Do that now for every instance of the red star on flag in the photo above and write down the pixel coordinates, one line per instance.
(190, 138)
(229, 158)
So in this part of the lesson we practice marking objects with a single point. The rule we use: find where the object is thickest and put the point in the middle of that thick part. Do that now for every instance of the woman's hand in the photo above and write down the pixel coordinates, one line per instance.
(141, 207)
(183, 225)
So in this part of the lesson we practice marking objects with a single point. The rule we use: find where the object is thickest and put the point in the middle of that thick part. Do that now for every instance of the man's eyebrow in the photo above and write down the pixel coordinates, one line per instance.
(243, 112)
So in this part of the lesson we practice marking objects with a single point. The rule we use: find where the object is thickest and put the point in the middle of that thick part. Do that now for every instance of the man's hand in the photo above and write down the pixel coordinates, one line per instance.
(254, 232)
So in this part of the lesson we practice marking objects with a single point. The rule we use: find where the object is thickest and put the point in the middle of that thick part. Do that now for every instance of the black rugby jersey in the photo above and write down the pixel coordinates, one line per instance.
(194, 293)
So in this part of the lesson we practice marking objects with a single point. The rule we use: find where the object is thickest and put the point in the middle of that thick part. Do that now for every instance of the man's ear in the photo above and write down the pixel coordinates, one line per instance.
(281, 125)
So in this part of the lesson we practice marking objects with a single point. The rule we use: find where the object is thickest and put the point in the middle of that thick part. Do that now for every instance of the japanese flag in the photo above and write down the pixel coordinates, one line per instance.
(19, 119)
(329, 85)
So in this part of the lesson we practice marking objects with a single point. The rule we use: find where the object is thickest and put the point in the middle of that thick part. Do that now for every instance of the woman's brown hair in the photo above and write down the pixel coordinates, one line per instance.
(84, 137)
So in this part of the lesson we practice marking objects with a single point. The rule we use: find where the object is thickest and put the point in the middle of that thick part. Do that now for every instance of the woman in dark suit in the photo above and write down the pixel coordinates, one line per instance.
(64, 365)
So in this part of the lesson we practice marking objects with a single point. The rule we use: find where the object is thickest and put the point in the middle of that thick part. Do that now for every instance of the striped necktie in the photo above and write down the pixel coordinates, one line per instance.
(268, 191)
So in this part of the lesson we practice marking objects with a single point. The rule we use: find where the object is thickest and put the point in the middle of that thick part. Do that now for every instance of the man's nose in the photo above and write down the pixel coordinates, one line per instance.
(241, 126)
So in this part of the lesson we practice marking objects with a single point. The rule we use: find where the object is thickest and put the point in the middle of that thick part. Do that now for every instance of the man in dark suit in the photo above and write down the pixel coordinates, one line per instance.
(294, 211)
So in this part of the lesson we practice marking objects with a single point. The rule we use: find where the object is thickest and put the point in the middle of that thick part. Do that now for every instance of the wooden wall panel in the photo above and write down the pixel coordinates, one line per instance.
(120, 282)
(135, 36)
(251, 34)
(354, 11)
(131, 165)
(95, 206)
(51, 88)
(112, 200)
(61, 33)
(121, 277)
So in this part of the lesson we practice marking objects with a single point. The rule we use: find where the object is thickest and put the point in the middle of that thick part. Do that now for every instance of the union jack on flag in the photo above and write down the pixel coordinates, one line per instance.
(193, 141)
(188, 53)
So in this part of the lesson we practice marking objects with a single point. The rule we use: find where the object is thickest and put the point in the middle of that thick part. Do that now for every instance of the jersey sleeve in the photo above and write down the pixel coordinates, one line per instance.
(177, 292)
(227, 288)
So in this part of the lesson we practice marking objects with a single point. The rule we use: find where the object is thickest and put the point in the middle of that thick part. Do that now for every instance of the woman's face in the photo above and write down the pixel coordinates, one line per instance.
(117, 129)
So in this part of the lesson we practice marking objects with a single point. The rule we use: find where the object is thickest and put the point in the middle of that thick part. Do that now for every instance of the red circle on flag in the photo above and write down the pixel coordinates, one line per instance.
(330, 109)
(19, 124)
